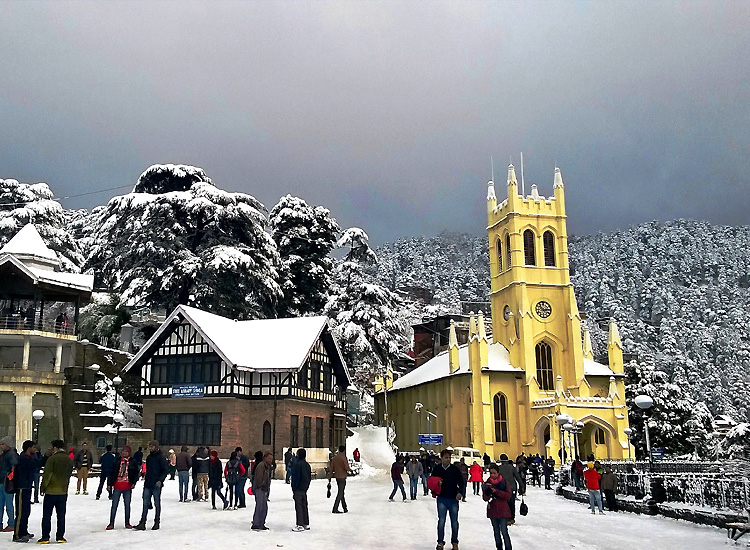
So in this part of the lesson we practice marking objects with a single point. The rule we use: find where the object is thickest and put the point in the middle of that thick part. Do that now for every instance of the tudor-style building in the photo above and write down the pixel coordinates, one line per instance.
(262, 384)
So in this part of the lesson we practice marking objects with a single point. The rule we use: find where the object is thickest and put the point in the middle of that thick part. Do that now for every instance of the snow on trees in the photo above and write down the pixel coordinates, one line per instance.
(305, 236)
(178, 239)
(365, 316)
(24, 203)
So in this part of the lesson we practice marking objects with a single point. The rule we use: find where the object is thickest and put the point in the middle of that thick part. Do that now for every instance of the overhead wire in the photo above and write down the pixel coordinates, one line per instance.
(67, 196)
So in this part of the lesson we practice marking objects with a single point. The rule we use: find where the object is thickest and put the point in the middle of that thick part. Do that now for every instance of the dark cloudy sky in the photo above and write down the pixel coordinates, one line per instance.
(388, 113)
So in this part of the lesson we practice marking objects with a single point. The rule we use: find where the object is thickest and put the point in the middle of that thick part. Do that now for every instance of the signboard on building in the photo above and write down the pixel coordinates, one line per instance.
(657, 453)
(188, 390)
(430, 439)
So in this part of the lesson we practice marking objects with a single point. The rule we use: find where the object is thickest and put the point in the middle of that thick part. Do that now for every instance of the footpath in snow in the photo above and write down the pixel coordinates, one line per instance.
(553, 523)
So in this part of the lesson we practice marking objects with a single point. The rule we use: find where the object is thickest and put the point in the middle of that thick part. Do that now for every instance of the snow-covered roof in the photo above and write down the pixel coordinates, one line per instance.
(262, 345)
(77, 281)
(28, 242)
(592, 368)
(498, 359)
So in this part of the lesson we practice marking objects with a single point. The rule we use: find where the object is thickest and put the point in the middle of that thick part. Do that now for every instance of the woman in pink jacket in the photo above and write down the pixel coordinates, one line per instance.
(497, 494)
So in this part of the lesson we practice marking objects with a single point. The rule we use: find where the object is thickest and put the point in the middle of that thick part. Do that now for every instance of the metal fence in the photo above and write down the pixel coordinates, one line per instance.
(19, 322)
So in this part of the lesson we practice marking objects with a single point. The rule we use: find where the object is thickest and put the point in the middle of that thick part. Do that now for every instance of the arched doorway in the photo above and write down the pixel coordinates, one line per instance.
(542, 436)
(596, 440)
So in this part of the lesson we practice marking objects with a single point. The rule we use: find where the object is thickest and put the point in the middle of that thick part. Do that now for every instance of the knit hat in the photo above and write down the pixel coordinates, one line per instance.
(214, 454)
(8, 440)
(590, 465)
(128, 449)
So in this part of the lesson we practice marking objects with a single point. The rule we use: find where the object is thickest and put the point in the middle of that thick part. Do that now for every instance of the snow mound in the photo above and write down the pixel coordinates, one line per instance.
(377, 455)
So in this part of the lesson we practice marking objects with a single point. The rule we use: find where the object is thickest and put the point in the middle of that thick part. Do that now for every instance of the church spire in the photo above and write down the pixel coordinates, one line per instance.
(558, 179)
(512, 178)
(588, 352)
(453, 364)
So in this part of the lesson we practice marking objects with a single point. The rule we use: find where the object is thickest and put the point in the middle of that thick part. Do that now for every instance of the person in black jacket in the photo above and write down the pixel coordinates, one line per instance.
(452, 489)
(107, 464)
(214, 480)
(200, 468)
(24, 478)
(121, 481)
(157, 469)
(301, 476)
(245, 461)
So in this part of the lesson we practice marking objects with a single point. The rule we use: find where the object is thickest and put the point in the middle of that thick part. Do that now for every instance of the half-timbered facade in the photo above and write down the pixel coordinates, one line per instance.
(262, 384)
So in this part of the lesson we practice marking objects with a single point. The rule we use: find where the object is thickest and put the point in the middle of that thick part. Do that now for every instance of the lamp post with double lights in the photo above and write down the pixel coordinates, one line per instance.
(37, 415)
(94, 369)
(562, 419)
(118, 418)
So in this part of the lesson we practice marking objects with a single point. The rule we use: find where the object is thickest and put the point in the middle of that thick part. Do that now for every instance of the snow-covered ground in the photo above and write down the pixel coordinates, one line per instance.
(373, 522)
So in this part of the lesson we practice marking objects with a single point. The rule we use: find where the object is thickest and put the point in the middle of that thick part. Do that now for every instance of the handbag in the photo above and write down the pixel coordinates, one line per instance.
(10, 482)
(434, 485)
(523, 509)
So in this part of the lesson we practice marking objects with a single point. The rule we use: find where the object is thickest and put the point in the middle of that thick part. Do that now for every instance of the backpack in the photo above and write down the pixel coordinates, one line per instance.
(233, 474)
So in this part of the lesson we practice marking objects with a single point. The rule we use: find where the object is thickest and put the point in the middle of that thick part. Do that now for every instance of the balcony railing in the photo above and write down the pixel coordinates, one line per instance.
(20, 322)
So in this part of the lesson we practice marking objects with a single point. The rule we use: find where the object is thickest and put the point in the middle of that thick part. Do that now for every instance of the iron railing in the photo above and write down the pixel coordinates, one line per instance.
(35, 323)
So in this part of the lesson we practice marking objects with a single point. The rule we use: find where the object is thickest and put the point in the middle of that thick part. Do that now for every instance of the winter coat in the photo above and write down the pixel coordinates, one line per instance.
(214, 474)
(548, 467)
(577, 467)
(133, 471)
(288, 458)
(79, 459)
(25, 471)
(497, 495)
(8, 459)
(396, 470)
(427, 465)
(608, 481)
(200, 462)
(138, 456)
(592, 479)
(183, 462)
(57, 471)
(475, 473)
(157, 469)
(107, 462)
(464, 470)
(414, 469)
(301, 475)
(339, 466)
(510, 473)
(453, 480)
(245, 461)
(262, 477)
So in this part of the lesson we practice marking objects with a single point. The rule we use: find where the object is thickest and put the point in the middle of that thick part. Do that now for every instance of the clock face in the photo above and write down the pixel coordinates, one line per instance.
(506, 312)
(543, 309)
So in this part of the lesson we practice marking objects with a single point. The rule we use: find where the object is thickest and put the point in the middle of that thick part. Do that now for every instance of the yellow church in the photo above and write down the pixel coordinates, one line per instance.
(504, 394)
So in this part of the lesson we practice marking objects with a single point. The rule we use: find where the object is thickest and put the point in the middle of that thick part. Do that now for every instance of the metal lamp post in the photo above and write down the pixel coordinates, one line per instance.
(562, 419)
(578, 431)
(418, 408)
(430, 416)
(644, 402)
(118, 418)
(628, 433)
(94, 369)
(116, 381)
(37, 415)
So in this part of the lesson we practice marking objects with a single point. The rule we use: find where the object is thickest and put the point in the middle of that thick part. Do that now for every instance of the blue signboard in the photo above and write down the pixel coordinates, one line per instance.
(657, 453)
(430, 439)
(188, 390)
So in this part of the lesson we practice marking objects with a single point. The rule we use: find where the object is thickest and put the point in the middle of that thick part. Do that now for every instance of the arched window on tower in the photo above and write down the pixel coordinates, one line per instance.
(507, 251)
(501, 418)
(599, 438)
(544, 366)
(266, 433)
(549, 249)
(499, 255)
(529, 253)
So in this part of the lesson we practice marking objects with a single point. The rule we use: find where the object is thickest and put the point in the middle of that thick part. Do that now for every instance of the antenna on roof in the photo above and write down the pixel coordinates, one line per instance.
(523, 187)
(492, 164)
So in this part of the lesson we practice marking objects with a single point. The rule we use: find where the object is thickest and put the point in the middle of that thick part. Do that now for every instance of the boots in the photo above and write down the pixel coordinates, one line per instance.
(156, 526)
(141, 526)
(440, 546)
(455, 546)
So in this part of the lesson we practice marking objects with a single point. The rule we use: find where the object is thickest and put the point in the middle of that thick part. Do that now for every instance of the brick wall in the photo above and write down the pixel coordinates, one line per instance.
(242, 420)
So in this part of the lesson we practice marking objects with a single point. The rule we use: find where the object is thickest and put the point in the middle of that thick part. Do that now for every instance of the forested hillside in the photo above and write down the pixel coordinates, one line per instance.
(679, 292)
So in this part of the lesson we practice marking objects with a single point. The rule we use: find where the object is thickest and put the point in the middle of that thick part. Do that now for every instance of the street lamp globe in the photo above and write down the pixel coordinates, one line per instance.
(563, 419)
(643, 402)
(95, 368)
(628, 432)
(117, 380)
(118, 417)
(38, 414)
(579, 425)
(568, 427)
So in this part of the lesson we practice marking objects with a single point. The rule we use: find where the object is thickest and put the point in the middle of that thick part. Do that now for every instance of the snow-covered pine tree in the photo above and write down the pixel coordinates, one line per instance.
(24, 203)
(178, 239)
(365, 316)
(305, 236)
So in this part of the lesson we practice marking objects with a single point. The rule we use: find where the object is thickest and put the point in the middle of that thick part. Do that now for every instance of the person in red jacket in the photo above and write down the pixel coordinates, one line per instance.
(475, 476)
(497, 494)
(592, 484)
